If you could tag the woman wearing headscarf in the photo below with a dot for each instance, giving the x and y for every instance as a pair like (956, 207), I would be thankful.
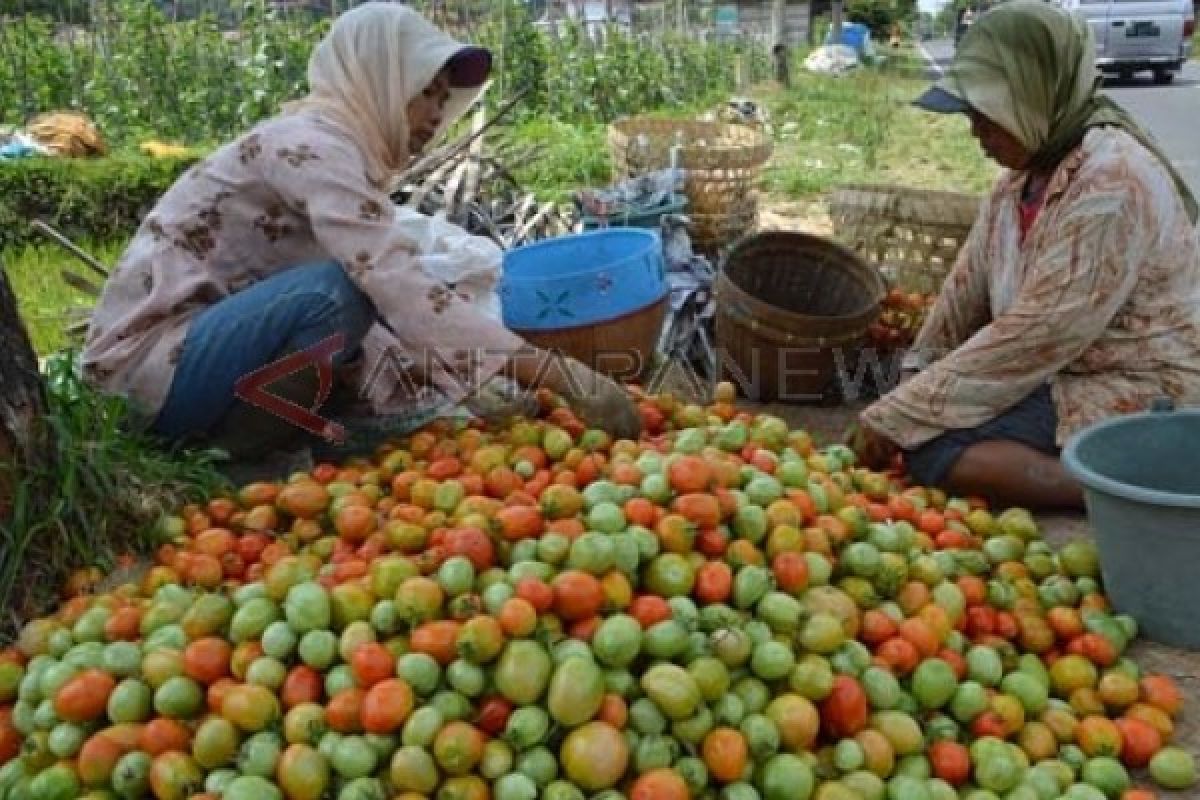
(1077, 294)
(284, 240)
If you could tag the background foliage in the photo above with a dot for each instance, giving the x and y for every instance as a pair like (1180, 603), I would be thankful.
(209, 70)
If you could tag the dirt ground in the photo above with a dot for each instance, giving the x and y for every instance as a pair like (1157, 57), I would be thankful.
(829, 424)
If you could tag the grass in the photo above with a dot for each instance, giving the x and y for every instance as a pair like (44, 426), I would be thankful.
(44, 298)
(95, 496)
(564, 157)
(861, 128)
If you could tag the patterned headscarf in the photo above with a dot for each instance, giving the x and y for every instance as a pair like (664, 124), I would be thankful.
(1029, 67)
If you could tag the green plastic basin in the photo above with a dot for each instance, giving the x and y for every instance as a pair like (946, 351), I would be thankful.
(1141, 479)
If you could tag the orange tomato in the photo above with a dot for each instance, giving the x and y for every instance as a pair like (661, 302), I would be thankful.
(303, 684)
(1139, 741)
(649, 610)
(659, 784)
(437, 639)
(950, 762)
(207, 660)
(725, 754)
(386, 706)
(164, 735)
(701, 509)
(538, 593)
(520, 522)
(714, 582)
(577, 595)
(1162, 693)
(689, 473)
(84, 697)
(344, 711)
(518, 617)
(1099, 736)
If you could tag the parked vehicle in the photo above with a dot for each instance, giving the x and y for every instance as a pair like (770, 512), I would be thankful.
(1140, 35)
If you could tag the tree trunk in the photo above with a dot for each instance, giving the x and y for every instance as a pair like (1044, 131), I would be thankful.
(837, 22)
(22, 395)
(779, 47)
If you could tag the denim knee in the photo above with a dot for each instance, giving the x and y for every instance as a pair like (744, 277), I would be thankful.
(347, 308)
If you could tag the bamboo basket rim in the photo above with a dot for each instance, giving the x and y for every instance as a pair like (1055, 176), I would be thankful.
(744, 319)
(936, 208)
(776, 318)
(912, 235)
(735, 146)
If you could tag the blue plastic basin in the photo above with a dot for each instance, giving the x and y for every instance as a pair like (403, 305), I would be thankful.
(854, 35)
(1141, 479)
(582, 279)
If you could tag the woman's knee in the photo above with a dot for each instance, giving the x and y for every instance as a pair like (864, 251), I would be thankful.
(344, 308)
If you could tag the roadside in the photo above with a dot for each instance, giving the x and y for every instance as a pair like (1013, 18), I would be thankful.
(862, 129)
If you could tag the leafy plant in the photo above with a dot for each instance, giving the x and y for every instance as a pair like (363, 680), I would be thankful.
(209, 72)
(96, 199)
(96, 495)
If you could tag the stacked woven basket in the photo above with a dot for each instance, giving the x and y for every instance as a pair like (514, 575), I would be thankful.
(913, 236)
(723, 162)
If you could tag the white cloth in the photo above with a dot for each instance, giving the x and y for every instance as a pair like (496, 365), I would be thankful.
(448, 253)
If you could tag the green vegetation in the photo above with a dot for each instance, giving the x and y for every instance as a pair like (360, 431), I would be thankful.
(100, 199)
(97, 494)
(45, 300)
(862, 128)
(142, 74)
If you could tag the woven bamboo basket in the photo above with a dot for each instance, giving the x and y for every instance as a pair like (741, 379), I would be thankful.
(912, 235)
(723, 162)
(791, 307)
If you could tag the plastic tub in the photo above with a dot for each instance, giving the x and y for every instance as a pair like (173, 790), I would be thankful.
(600, 297)
(582, 279)
(854, 35)
(1141, 479)
(642, 218)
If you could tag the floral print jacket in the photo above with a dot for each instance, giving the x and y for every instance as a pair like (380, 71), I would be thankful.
(1101, 300)
(290, 192)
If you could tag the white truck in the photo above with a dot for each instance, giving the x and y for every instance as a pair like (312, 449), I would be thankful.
(1140, 35)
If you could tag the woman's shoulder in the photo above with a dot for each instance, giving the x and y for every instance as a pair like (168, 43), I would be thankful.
(298, 139)
(1113, 156)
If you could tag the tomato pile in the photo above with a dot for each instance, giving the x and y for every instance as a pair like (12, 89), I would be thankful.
(720, 610)
(900, 319)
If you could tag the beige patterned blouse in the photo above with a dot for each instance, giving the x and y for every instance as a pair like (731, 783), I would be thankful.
(1101, 300)
(289, 192)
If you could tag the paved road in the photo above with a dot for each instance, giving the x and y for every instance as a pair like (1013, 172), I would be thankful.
(1171, 113)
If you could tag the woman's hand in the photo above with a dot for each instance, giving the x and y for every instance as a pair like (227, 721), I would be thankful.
(874, 450)
(601, 402)
(598, 400)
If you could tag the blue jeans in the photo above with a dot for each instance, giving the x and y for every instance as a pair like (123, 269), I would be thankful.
(287, 312)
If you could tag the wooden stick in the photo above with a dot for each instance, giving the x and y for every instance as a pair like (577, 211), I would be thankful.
(474, 167)
(79, 282)
(65, 243)
(428, 185)
(450, 203)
